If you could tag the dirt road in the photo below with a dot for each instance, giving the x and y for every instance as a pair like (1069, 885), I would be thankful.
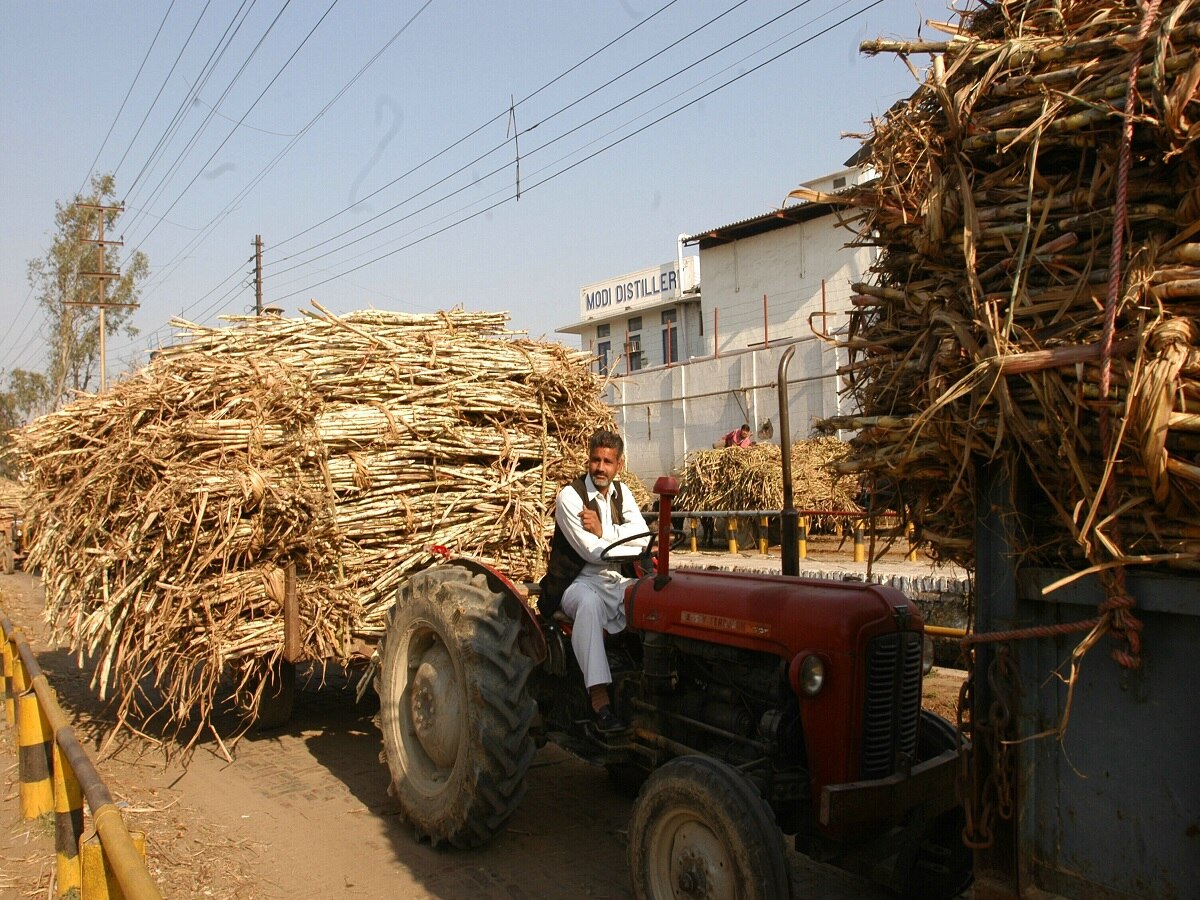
(304, 810)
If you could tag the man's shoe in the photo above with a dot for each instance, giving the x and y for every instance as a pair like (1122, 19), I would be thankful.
(607, 720)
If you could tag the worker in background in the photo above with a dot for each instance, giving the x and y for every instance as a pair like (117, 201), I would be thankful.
(739, 437)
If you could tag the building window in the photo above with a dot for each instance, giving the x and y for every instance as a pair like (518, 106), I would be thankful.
(635, 323)
(839, 182)
(633, 352)
(602, 330)
(670, 336)
(602, 351)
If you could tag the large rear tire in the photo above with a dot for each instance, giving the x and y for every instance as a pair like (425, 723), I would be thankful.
(454, 708)
(701, 829)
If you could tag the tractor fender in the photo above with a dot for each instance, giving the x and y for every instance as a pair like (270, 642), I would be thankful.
(532, 641)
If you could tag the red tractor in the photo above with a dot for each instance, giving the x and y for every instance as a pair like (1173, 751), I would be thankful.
(759, 705)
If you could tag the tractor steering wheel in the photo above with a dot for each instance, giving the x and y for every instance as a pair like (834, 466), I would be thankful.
(677, 538)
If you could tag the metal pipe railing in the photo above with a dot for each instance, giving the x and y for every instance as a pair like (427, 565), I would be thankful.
(57, 773)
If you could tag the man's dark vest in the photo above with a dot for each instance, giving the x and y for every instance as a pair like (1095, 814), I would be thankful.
(565, 562)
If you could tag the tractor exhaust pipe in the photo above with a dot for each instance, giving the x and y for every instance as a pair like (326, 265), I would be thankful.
(666, 487)
(789, 549)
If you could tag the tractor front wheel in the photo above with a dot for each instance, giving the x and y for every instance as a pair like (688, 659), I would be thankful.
(701, 829)
(454, 708)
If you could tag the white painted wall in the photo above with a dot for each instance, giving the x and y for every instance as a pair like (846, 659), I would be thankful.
(787, 266)
(664, 414)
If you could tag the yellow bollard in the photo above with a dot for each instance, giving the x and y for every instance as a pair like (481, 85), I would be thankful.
(10, 710)
(733, 547)
(99, 881)
(34, 740)
(68, 825)
(910, 531)
(692, 524)
(802, 534)
(763, 541)
(860, 546)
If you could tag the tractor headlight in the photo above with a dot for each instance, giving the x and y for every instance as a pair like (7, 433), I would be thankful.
(812, 675)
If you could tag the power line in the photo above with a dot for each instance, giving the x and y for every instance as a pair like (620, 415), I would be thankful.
(480, 128)
(593, 155)
(161, 87)
(207, 230)
(535, 150)
(196, 136)
(121, 109)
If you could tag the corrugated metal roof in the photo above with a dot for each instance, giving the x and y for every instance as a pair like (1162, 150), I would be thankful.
(779, 218)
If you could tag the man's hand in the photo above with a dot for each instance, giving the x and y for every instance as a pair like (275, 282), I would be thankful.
(590, 522)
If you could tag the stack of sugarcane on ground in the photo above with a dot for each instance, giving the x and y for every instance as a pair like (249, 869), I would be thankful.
(12, 500)
(356, 448)
(1036, 296)
(732, 479)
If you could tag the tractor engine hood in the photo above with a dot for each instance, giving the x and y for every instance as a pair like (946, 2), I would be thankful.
(773, 614)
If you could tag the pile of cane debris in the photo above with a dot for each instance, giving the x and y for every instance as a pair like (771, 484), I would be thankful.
(732, 479)
(357, 448)
(1036, 297)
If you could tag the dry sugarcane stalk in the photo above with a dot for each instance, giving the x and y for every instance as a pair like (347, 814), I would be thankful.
(165, 510)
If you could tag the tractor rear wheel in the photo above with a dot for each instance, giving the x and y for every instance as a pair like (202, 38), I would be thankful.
(701, 829)
(454, 708)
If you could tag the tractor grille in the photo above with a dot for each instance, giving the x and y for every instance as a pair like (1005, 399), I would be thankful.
(893, 706)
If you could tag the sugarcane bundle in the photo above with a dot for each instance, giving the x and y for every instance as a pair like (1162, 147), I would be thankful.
(732, 479)
(13, 498)
(356, 448)
(1036, 295)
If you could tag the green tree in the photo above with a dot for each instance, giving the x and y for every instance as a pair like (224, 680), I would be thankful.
(25, 395)
(58, 280)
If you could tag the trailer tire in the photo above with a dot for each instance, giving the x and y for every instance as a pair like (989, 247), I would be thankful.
(701, 829)
(454, 710)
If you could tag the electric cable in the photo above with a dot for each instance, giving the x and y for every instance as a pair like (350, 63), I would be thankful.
(530, 153)
(593, 155)
(232, 131)
(190, 96)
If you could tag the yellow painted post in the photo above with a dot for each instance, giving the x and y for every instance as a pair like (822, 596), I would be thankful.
(692, 524)
(733, 547)
(10, 710)
(763, 541)
(802, 534)
(34, 739)
(910, 531)
(99, 881)
(68, 825)
(860, 546)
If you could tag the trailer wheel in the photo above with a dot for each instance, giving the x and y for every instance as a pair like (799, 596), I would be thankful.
(278, 697)
(701, 829)
(944, 865)
(454, 708)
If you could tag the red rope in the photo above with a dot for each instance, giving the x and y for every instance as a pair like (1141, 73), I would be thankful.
(1118, 604)
(1033, 631)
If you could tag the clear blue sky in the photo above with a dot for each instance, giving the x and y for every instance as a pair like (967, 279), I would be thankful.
(65, 68)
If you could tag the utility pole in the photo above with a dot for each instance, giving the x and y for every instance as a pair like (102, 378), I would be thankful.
(258, 274)
(103, 276)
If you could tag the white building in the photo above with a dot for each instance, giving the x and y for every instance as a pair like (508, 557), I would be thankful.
(691, 359)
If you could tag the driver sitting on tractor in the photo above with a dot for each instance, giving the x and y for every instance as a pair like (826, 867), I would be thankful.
(591, 513)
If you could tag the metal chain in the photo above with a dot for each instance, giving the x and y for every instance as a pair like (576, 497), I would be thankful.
(992, 796)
